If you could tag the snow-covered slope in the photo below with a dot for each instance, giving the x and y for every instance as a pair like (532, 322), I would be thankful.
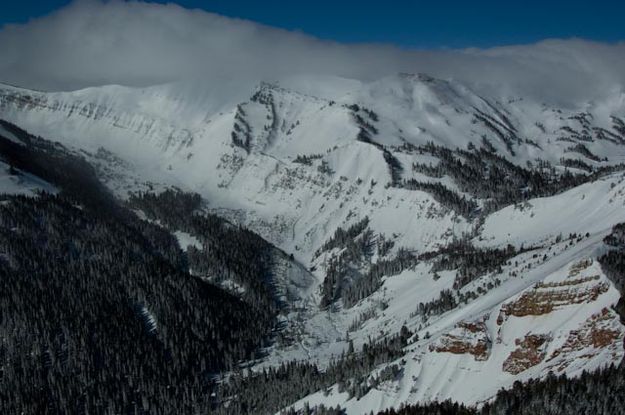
(547, 309)
(295, 161)
(18, 182)
(187, 137)
(14, 181)
(591, 207)
(559, 319)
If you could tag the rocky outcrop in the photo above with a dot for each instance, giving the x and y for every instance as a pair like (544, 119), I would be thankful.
(602, 331)
(546, 297)
(530, 351)
(466, 338)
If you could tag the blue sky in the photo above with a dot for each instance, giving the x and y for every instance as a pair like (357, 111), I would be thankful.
(410, 24)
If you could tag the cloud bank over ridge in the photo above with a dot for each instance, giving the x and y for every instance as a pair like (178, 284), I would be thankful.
(93, 43)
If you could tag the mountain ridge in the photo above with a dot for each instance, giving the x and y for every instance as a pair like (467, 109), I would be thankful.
(414, 202)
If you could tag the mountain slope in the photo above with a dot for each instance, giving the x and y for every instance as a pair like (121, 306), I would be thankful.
(413, 201)
(100, 310)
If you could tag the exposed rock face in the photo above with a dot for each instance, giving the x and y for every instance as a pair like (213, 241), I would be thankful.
(467, 337)
(547, 297)
(580, 266)
(601, 331)
(600, 334)
(531, 351)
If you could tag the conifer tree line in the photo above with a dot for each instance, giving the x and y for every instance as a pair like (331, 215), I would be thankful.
(472, 262)
(600, 392)
(344, 280)
(342, 238)
(584, 151)
(486, 175)
(99, 313)
(228, 251)
(242, 134)
(576, 164)
(241, 131)
(365, 119)
(53, 163)
(320, 409)
(338, 275)
(307, 159)
(355, 244)
(268, 391)
(344, 277)
(502, 127)
(434, 408)
(96, 318)
(613, 263)
(446, 197)
(446, 301)
(371, 281)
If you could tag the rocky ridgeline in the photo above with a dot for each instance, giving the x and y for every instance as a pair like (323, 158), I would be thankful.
(546, 297)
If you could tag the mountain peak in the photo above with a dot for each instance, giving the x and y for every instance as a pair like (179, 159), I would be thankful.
(410, 206)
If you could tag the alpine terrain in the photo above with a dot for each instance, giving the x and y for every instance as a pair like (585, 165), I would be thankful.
(315, 245)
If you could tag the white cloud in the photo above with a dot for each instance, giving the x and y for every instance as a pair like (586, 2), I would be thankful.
(92, 42)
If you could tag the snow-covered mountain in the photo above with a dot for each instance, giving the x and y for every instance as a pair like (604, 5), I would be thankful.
(388, 191)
